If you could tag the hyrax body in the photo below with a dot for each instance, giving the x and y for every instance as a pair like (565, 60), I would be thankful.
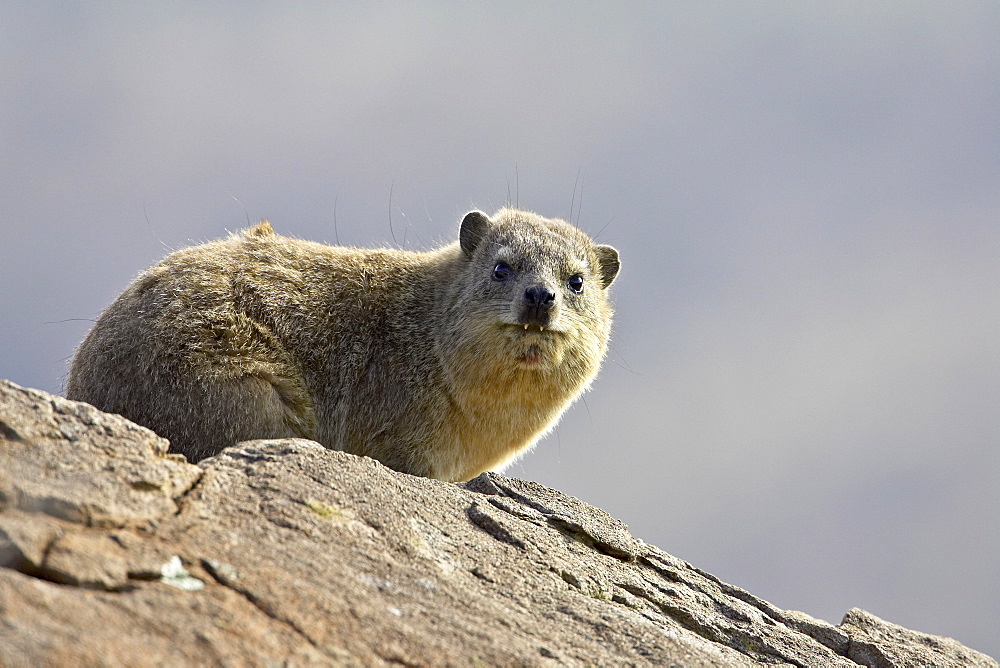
(443, 364)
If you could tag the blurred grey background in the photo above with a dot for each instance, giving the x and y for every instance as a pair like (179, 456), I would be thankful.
(804, 392)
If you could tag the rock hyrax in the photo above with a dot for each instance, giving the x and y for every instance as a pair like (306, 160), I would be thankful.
(444, 363)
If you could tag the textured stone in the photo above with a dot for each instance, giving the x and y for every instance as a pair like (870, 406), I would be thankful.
(282, 552)
(875, 642)
(70, 461)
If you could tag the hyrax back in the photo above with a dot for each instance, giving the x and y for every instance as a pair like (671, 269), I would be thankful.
(444, 363)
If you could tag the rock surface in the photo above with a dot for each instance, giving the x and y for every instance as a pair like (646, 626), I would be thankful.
(281, 552)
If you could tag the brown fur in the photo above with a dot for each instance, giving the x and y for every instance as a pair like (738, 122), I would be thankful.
(427, 361)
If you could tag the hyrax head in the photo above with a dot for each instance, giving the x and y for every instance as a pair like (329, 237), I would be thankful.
(540, 281)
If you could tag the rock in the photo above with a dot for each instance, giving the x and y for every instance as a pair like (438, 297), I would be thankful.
(114, 551)
(875, 642)
(70, 461)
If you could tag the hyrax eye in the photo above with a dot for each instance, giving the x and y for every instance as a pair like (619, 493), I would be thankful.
(502, 272)
(575, 283)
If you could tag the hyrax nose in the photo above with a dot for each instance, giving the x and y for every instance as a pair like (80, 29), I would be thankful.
(538, 300)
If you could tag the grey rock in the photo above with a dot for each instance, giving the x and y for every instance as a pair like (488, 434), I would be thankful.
(282, 552)
(70, 461)
(875, 642)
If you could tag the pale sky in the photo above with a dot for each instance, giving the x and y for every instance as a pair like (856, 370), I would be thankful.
(804, 393)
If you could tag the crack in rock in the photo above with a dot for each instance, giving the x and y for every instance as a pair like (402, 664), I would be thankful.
(227, 576)
(492, 524)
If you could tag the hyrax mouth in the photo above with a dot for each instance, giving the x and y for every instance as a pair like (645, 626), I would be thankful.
(534, 346)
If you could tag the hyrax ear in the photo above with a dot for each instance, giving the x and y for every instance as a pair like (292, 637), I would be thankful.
(608, 263)
(474, 227)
